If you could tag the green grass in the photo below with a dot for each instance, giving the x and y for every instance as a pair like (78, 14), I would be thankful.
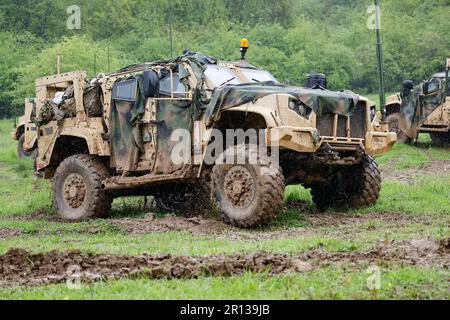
(375, 97)
(425, 201)
(326, 283)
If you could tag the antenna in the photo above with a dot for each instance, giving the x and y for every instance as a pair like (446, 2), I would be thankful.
(380, 60)
(95, 64)
(170, 35)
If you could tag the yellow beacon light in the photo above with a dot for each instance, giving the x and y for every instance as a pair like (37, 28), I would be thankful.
(244, 43)
(244, 48)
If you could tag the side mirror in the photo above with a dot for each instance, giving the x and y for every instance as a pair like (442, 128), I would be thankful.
(151, 83)
(408, 85)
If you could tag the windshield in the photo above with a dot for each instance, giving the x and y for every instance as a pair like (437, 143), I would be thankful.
(220, 76)
(258, 75)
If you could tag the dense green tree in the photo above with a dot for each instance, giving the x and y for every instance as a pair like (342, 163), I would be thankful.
(290, 38)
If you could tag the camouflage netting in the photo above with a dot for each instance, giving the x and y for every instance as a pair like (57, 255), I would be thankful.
(320, 101)
(126, 140)
(67, 109)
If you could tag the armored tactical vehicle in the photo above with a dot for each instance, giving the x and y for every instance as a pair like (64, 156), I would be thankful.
(424, 108)
(193, 128)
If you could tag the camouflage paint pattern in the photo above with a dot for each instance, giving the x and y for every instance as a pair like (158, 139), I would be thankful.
(171, 115)
(125, 141)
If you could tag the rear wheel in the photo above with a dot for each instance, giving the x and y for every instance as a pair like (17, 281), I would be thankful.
(247, 195)
(77, 188)
(350, 189)
(394, 126)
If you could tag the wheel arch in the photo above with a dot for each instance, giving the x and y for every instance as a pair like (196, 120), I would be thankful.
(66, 145)
(20, 130)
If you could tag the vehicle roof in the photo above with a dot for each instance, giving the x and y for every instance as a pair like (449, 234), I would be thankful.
(439, 75)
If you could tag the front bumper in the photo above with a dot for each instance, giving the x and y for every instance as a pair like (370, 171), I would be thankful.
(308, 140)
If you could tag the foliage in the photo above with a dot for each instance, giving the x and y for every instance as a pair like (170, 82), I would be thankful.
(290, 38)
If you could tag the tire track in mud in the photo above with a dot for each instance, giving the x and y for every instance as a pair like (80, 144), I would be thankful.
(213, 226)
(19, 267)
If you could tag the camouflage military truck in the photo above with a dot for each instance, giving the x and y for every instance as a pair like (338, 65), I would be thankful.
(424, 108)
(26, 148)
(123, 134)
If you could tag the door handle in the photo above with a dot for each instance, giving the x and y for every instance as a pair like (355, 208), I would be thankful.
(157, 122)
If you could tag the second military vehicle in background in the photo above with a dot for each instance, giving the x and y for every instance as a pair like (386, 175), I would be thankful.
(424, 108)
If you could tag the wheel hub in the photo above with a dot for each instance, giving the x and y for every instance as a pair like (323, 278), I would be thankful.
(239, 187)
(74, 190)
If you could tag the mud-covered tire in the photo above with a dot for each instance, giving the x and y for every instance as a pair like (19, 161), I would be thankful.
(21, 152)
(350, 189)
(243, 196)
(77, 188)
(440, 137)
(393, 122)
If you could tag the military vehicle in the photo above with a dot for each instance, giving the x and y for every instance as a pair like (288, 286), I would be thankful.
(114, 136)
(424, 108)
(26, 148)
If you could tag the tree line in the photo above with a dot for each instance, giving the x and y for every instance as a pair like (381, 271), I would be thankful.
(290, 38)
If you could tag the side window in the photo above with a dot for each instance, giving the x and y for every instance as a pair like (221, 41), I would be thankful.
(434, 85)
(125, 90)
(179, 89)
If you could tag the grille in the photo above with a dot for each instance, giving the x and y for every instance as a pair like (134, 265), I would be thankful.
(358, 125)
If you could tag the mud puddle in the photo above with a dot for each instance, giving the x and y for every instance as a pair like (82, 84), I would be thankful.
(19, 267)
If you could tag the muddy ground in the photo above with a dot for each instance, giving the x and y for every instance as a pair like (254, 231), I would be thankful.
(19, 267)
(9, 232)
(432, 167)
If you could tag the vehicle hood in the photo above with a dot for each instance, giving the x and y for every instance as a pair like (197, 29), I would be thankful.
(321, 101)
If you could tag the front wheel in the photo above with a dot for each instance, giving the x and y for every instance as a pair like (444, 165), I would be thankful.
(394, 126)
(352, 188)
(77, 188)
(247, 195)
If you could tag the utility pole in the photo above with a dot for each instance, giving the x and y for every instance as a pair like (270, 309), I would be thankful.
(170, 35)
(380, 60)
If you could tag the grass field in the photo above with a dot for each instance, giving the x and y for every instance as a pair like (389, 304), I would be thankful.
(414, 206)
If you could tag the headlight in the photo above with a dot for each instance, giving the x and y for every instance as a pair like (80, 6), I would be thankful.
(300, 108)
